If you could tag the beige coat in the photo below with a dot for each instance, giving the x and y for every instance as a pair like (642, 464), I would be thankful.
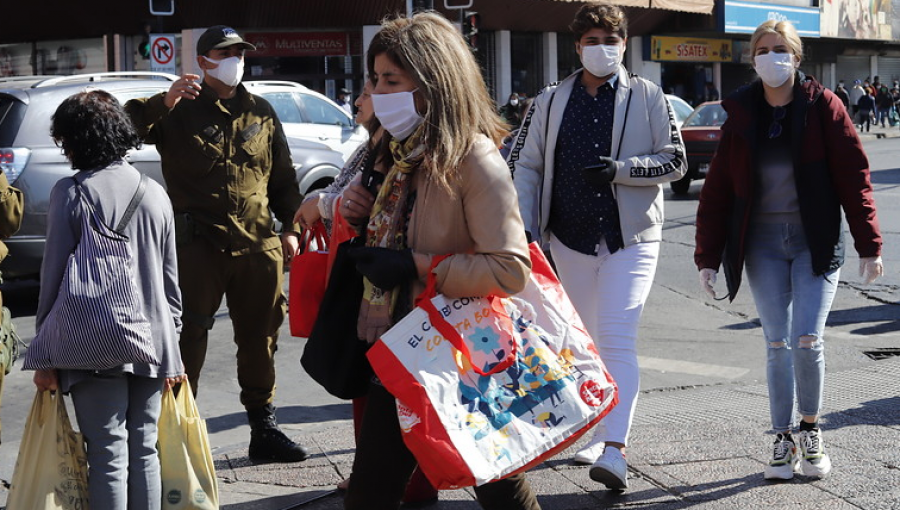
(480, 224)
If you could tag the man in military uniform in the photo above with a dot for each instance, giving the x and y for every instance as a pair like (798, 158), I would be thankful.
(10, 220)
(226, 163)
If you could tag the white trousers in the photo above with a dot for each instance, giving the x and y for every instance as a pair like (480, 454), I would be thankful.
(609, 292)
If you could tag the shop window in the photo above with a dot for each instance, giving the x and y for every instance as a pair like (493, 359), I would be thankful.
(567, 61)
(527, 62)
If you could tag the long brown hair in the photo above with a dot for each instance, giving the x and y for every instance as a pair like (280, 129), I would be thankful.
(458, 107)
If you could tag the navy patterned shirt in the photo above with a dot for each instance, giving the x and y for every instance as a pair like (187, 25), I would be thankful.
(580, 215)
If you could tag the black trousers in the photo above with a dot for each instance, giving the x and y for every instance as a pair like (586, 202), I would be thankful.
(383, 466)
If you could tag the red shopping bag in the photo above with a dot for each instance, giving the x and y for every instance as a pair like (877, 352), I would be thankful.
(309, 273)
(489, 387)
(341, 230)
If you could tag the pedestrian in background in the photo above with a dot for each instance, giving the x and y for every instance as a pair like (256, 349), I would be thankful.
(594, 156)
(856, 92)
(711, 93)
(511, 112)
(841, 93)
(883, 104)
(866, 109)
(116, 409)
(343, 100)
(442, 169)
(226, 163)
(319, 205)
(774, 200)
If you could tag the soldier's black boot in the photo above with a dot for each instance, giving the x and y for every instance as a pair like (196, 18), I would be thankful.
(267, 441)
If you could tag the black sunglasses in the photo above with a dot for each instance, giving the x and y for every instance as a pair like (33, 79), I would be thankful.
(777, 117)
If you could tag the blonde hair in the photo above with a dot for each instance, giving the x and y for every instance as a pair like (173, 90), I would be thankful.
(783, 28)
(458, 107)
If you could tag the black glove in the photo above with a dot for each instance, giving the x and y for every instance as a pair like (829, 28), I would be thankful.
(600, 174)
(384, 267)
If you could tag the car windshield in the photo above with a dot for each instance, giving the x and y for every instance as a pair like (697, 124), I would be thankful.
(707, 115)
(285, 106)
(682, 109)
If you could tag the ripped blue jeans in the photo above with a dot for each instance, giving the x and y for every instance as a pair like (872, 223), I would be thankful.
(793, 305)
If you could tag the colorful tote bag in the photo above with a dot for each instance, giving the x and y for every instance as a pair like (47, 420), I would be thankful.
(489, 387)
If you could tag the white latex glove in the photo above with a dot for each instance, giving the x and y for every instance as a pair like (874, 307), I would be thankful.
(870, 268)
(708, 280)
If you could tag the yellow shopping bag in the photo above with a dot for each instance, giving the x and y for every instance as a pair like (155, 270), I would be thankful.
(186, 465)
(51, 469)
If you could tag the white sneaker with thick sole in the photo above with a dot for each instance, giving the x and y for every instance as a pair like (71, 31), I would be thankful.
(784, 459)
(590, 453)
(814, 462)
(611, 469)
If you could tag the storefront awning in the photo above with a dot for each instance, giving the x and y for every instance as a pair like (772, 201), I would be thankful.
(696, 6)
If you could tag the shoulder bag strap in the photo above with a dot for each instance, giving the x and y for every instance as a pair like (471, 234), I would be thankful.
(624, 121)
(133, 205)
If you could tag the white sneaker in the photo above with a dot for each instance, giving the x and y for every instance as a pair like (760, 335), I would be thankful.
(611, 469)
(815, 462)
(784, 459)
(590, 453)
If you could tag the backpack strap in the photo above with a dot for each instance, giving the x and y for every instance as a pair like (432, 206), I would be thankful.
(133, 205)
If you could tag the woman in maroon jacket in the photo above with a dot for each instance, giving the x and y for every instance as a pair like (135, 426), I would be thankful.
(788, 163)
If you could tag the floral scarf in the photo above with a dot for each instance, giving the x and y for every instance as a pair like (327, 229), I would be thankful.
(387, 229)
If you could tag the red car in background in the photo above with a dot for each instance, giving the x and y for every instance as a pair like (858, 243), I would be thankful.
(701, 133)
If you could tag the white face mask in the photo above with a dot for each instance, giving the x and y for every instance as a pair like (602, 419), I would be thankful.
(601, 59)
(229, 72)
(514, 102)
(774, 68)
(397, 113)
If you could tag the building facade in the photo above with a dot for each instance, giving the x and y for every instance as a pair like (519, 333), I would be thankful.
(521, 44)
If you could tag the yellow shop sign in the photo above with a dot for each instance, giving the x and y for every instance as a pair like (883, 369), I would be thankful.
(690, 49)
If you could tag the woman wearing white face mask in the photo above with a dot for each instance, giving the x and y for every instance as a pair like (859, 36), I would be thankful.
(446, 191)
(775, 210)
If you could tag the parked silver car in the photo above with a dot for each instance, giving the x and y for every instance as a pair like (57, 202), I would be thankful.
(306, 114)
(33, 163)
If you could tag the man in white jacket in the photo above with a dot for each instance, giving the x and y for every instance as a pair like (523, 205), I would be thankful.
(589, 163)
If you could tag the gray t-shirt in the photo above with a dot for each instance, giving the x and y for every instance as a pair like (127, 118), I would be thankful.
(776, 197)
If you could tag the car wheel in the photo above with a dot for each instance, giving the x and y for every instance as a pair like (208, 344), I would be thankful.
(320, 184)
(681, 186)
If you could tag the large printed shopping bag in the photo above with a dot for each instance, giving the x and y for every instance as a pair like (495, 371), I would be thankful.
(185, 459)
(489, 387)
(51, 469)
(309, 272)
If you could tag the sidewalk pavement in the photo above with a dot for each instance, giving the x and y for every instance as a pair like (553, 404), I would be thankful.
(700, 447)
(876, 131)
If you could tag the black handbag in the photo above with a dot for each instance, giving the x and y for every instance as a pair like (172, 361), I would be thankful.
(334, 355)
